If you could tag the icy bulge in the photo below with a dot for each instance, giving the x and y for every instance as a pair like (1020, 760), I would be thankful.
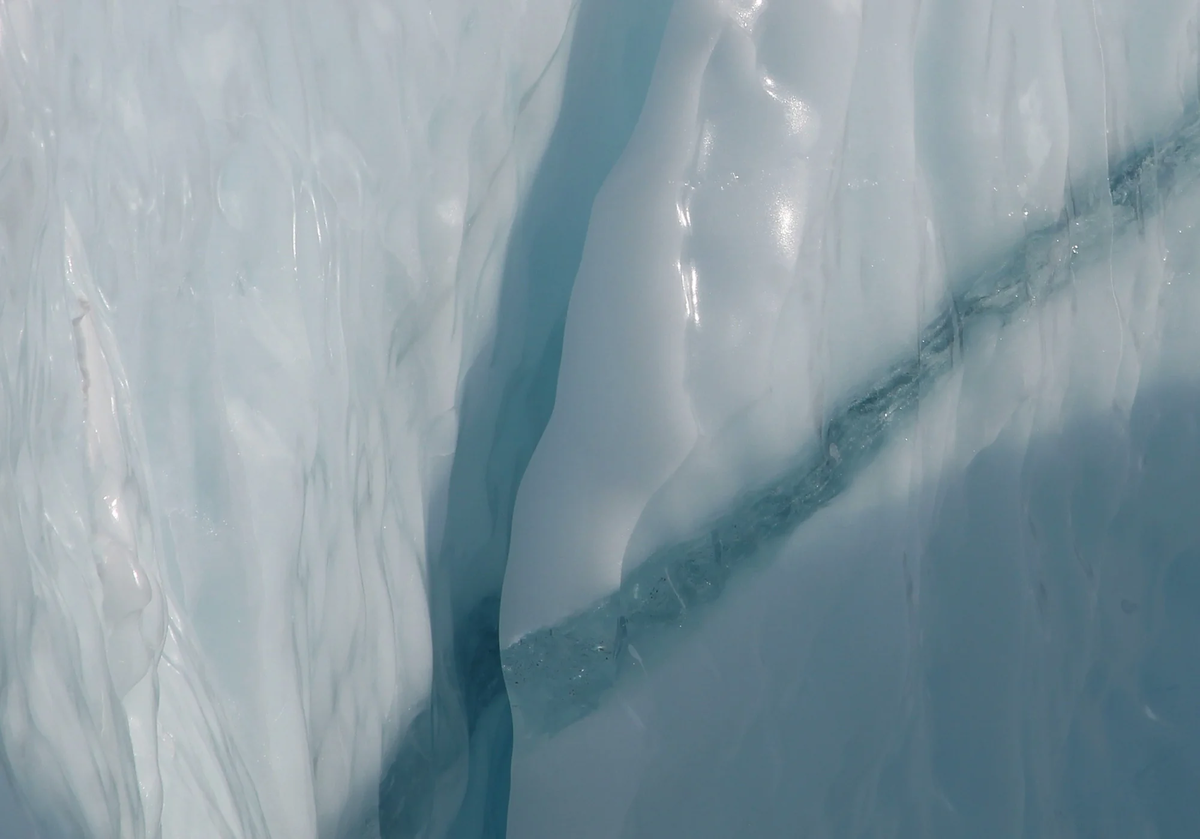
(597, 418)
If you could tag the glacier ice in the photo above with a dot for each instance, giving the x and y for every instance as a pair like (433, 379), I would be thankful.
(842, 352)
(250, 251)
(872, 531)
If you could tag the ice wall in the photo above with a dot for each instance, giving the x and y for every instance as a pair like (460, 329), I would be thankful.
(249, 252)
(863, 509)
(865, 506)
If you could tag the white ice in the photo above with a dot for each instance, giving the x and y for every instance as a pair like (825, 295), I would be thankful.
(802, 193)
(935, 653)
(249, 251)
(252, 252)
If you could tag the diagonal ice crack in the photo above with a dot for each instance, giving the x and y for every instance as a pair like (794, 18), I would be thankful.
(560, 674)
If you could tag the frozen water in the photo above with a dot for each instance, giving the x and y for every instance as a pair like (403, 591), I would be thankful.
(585, 651)
(864, 354)
(853, 516)
(507, 399)
(250, 251)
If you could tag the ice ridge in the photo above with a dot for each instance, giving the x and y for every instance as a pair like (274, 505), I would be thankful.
(558, 675)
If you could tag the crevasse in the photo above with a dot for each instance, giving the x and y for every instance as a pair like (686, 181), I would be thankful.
(599, 418)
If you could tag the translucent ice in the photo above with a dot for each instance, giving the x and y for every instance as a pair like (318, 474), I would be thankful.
(853, 516)
(249, 252)
(861, 333)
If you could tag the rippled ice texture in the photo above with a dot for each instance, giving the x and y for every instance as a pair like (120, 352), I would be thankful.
(248, 251)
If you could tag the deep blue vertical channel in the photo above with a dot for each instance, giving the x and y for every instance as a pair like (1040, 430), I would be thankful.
(463, 740)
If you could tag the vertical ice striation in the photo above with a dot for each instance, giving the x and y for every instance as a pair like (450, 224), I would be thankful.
(249, 252)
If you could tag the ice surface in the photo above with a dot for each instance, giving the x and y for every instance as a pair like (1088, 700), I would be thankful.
(250, 251)
(505, 404)
(864, 354)
(873, 532)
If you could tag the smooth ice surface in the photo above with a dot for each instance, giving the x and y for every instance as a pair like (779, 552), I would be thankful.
(874, 530)
(249, 252)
